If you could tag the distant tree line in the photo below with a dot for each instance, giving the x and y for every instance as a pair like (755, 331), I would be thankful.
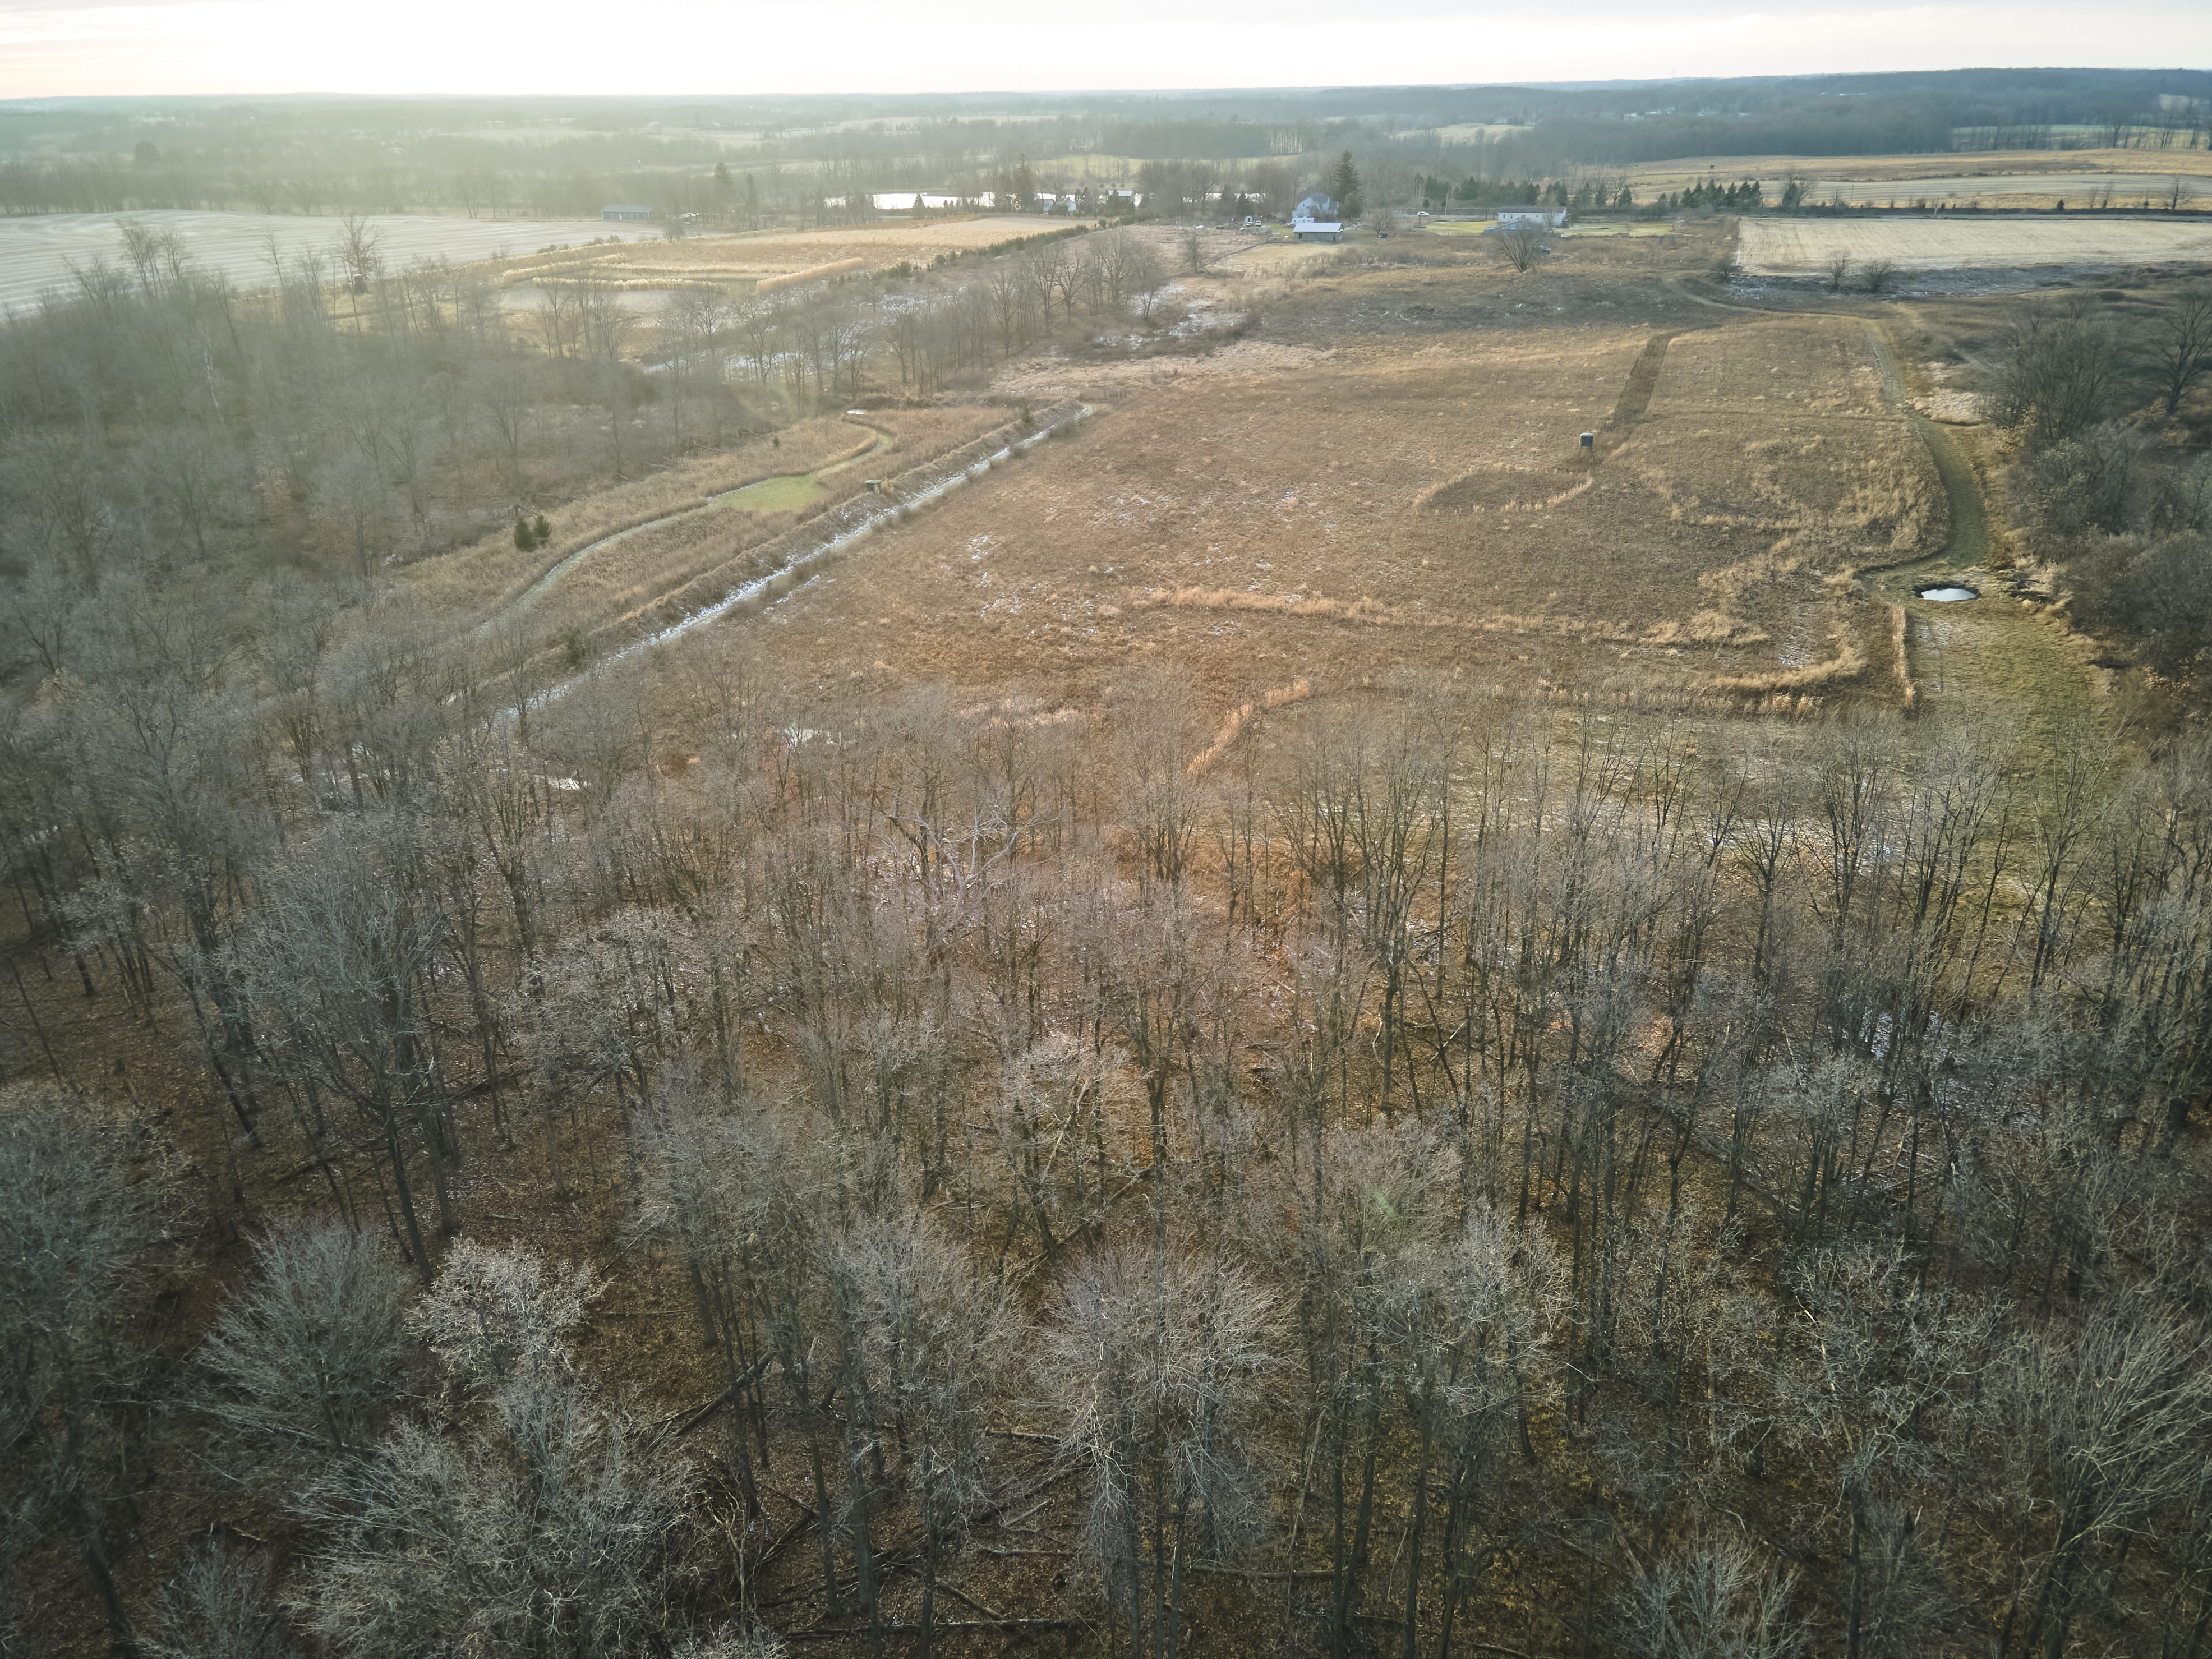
(810, 165)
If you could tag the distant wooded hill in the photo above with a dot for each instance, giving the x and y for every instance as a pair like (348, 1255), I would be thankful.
(791, 158)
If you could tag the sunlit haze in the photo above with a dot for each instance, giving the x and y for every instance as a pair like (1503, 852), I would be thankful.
(672, 47)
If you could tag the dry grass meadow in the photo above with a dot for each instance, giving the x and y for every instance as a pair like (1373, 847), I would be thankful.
(1805, 247)
(2025, 178)
(1324, 517)
(768, 255)
(1373, 476)
(619, 550)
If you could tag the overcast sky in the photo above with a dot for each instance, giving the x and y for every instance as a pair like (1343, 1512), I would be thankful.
(685, 46)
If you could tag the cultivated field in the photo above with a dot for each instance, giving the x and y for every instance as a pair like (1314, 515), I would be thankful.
(1805, 247)
(2044, 190)
(36, 254)
(782, 252)
(2030, 173)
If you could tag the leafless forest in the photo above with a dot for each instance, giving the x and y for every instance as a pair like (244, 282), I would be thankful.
(513, 1151)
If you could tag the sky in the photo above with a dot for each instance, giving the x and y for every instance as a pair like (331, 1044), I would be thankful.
(52, 48)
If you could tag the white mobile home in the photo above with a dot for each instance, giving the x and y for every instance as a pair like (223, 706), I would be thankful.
(1548, 218)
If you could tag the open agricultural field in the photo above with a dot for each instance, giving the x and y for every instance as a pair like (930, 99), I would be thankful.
(783, 252)
(1805, 248)
(1326, 516)
(2039, 191)
(37, 253)
(2032, 174)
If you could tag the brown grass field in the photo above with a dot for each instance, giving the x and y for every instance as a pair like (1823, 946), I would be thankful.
(1377, 480)
(646, 538)
(1804, 247)
(2019, 172)
(775, 253)
(1415, 509)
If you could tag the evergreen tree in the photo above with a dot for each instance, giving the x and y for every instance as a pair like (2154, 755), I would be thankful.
(1344, 184)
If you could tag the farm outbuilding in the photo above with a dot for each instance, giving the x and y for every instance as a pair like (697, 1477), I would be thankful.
(626, 210)
(1551, 218)
(1317, 230)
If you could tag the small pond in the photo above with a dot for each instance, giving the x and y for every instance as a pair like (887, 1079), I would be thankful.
(1948, 593)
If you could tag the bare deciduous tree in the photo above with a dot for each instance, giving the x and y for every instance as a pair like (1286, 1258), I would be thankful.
(219, 1606)
(1715, 1598)
(2180, 351)
(552, 1528)
(1153, 1359)
(79, 1206)
(1516, 247)
(496, 1316)
(302, 1362)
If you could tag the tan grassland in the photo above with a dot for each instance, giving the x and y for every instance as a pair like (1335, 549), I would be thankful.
(2006, 171)
(1321, 517)
(668, 530)
(2020, 191)
(1804, 247)
(783, 252)
(472, 579)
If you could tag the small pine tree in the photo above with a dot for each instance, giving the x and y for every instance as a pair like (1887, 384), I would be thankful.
(541, 530)
(524, 541)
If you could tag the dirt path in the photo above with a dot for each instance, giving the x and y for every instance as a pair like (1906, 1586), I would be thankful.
(837, 545)
(1995, 659)
(546, 583)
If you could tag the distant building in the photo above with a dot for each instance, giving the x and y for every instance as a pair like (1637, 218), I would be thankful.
(1549, 217)
(626, 210)
(1317, 230)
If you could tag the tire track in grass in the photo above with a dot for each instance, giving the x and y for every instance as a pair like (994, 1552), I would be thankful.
(545, 584)
(868, 524)
(1988, 658)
